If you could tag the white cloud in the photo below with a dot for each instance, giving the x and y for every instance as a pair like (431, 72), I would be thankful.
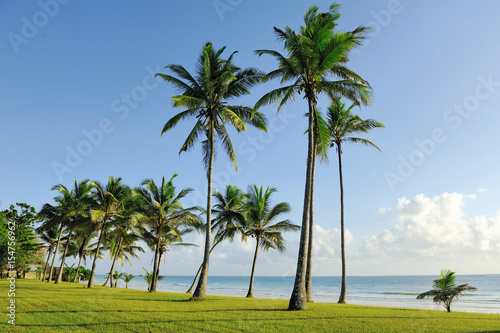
(435, 230)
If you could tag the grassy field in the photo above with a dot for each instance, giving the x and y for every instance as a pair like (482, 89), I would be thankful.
(42, 307)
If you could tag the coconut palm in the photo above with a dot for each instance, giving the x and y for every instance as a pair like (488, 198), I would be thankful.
(315, 54)
(170, 240)
(75, 204)
(49, 238)
(342, 124)
(127, 278)
(259, 223)
(83, 250)
(108, 205)
(123, 238)
(229, 208)
(160, 212)
(446, 291)
(204, 96)
(52, 217)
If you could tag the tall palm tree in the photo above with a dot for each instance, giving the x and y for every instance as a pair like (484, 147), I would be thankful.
(259, 219)
(108, 205)
(204, 96)
(446, 291)
(315, 54)
(229, 208)
(75, 204)
(342, 124)
(49, 238)
(52, 217)
(161, 213)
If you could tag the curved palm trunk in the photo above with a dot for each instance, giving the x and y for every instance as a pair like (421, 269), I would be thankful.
(190, 290)
(298, 300)
(46, 264)
(311, 230)
(77, 269)
(342, 241)
(154, 276)
(250, 288)
(92, 271)
(201, 288)
(59, 275)
(113, 264)
(55, 254)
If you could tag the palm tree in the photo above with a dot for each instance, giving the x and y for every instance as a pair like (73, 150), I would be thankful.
(205, 97)
(446, 291)
(108, 206)
(49, 237)
(84, 236)
(160, 212)
(52, 217)
(123, 240)
(170, 240)
(314, 55)
(117, 276)
(229, 208)
(258, 223)
(341, 126)
(149, 277)
(75, 205)
(127, 278)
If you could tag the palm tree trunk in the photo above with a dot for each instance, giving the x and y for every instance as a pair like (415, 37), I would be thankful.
(190, 290)
(311, 230)
(250, 288)
(46, 264)
(342, 239)
(298, 300)
(92, 271)
(55, 254)
(59, 275)
(77, 268)
(113, 265)
(152, 287)
(201, 288)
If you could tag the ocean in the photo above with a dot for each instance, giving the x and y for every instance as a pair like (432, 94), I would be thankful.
(387, 291)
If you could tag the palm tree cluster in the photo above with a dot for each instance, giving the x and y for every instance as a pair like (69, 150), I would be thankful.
(315, 64)
(92, 218)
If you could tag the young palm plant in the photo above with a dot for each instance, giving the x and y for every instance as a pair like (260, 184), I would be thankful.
(127, 278)
(205, 97)
(160, 212)
(259, 223)
(149, 277)
(229, 210)
(342, 124)
(315, 55)
(446, 291)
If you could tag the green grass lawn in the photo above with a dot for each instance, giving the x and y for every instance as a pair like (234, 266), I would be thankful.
(42, 307)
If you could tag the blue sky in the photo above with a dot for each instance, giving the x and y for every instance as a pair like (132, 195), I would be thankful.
(78, 100)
